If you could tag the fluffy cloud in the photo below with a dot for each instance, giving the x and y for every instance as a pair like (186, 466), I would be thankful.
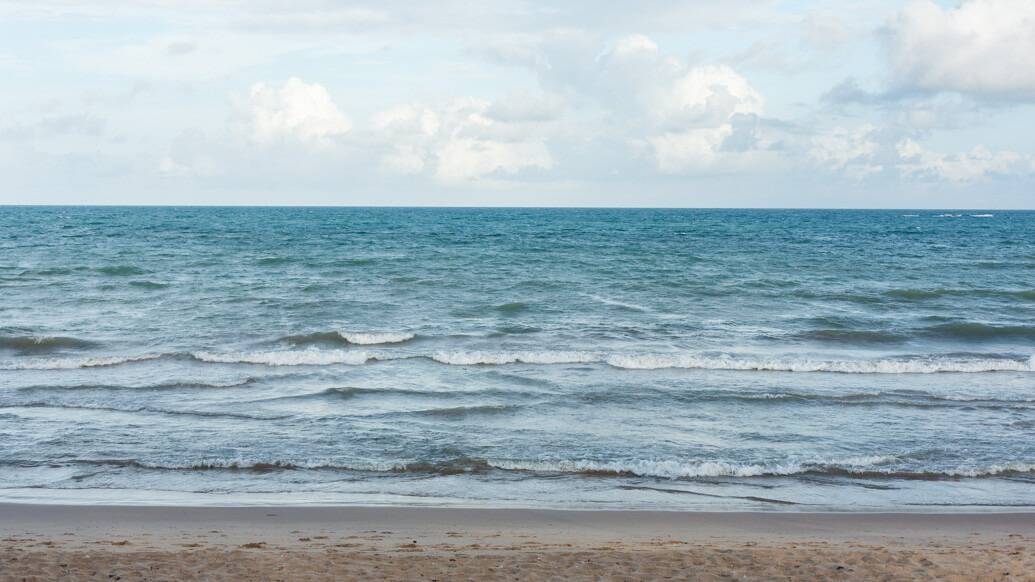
(298, 111)
(865, 150)
(461, 143)
(466, 158)
(709, 94)
(677, 114)
(981, 47)
(695, 112)
(963, 167)
(694, 149)
(851, 151)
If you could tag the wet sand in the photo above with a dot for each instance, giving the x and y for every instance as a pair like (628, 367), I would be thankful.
(48, 542)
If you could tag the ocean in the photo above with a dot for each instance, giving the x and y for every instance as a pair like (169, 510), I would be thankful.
(564, 358)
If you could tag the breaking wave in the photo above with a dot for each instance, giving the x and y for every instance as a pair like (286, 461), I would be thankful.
(925, 365)
(864, 467)
(313, 356)
(34, 344)
(308, 357)
(140, 409)
(876, 466)
(980, 331)
(73, 363)
(461, 358)
(375, 338)
(363, 338)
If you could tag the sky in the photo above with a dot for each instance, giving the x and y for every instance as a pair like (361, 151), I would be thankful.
(741, 103)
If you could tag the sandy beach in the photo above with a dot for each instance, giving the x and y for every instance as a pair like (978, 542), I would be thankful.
(45, 542)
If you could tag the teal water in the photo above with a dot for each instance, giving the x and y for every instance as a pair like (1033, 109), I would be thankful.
(718, 359)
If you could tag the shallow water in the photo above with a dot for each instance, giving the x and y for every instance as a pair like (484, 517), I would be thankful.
(722, 359)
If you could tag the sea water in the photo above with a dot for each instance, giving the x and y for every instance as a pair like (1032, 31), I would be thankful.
(571, 358)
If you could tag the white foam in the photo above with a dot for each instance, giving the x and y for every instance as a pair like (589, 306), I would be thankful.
(73, 363)
(671, 469)
(993, 470)
(982, 215)
(617, 303)
(644, 361)
(884, 366)
(460, 358)
(367, 338)
(308, 357)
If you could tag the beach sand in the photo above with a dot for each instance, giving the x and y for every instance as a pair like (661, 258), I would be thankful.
(46, 542)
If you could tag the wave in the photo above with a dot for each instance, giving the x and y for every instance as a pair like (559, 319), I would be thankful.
(851, 336)
(863, 467)
(73, 363)
(364, 338)
(274, 261)
(980, 331)
(141, 409)
(265, 465)
(35, 344)
(121, 270)
(307, 357)
(630, 361)
(617, 303)
(893, 398)
(375, 338)
(671, 469)
(177, 385)
(917, 293)
(460, 358)
(926, 365)
(908, 365)
(512, 308)
(876, 466)
(148, 284)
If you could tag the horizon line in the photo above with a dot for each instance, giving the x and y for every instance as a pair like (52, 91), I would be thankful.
(504, 207)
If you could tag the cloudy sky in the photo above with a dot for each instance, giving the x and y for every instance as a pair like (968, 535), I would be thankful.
(517, 102)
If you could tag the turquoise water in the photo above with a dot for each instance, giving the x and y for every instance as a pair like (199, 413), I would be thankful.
(719, 359)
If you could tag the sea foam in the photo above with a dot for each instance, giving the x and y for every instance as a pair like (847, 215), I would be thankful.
(73, 363)
(366, 338)
(308, 357)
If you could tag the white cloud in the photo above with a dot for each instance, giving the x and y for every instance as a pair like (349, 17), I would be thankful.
(463, 159)
(694, 113)
(963, 167)
(405, 159)
(695, 149)
(406, 119)
(458, 144)
(296, 111)
(709, 93)
(524, 106)
(981, 47)
(848, 150)
(167, 166)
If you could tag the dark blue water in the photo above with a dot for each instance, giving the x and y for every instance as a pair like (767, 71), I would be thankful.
(726, 359)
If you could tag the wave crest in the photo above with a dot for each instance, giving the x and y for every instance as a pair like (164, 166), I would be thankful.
(671, 469)
(863, 467)
(35, 344)
(363, 338)
(459, 358)
(368, 338)
(308, 357)
(884, 366)
(73, 363)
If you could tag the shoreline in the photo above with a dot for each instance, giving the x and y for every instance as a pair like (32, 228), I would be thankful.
(277, 542)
